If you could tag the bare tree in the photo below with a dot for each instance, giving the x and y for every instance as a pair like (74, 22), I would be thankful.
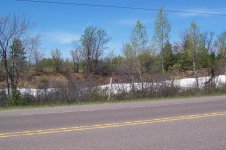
(33, 54)
(93, 42)
(37, 56)
(102, 39)
(76, 56)
(11, 27)
(57, 60)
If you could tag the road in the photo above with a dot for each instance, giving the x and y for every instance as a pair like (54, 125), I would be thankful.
(181, 124)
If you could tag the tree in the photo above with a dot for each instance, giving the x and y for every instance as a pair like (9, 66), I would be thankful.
(192, 45)
(93, 42)
(33, 54)
(139, 40)
(76, 57)
(102, 39)
(167, 55)
(183, 48)
(161, 34)
(221, 44)
(37, 56)
(130, 62)
(12, 27)
(109, 59)
(208, 53)
(205, 49)
(117, 62)
(17, 63)
(193, 51)
(57, 60)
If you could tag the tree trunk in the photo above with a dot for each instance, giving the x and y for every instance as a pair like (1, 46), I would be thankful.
(162, 66)
(163, 72)
(74, 68)
(195, 73)
(7, 77)
(77, 68)
(132, 83)
(88, 64)
(162, 46)
(96, 62)
(225, 65)
(225, 74)
(110, 89)
(141, 78)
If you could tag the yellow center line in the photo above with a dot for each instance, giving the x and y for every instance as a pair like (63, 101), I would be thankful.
(110, 125)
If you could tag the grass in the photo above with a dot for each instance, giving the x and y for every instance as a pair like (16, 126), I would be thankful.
(111, 101)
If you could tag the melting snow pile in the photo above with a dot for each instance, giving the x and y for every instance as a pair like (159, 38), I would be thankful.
(126, 87)
(182, 83)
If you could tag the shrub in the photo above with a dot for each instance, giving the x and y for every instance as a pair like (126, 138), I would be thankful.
(3, 98)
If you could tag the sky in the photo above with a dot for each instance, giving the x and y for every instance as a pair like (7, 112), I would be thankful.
(59, 25)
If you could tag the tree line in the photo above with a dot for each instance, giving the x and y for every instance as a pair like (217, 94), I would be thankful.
(140, 56)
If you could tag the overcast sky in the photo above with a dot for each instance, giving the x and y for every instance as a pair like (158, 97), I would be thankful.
(59, 25)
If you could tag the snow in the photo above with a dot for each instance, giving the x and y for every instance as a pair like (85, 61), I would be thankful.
(185, 83)
(127, 87)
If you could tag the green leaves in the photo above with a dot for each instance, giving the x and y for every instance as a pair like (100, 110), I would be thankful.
(162, 29)
(139, 38)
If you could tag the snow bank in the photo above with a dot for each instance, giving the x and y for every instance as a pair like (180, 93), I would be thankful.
(126, 87)
(185, 83)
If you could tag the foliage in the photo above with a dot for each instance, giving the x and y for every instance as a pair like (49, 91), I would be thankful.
(3, 98)
(161, 33)
(139, 38)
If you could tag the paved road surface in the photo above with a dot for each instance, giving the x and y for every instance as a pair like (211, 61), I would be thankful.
(189, 124)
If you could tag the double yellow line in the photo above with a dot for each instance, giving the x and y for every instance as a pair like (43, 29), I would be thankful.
(111, 125)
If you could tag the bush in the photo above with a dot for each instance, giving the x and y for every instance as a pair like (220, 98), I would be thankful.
(3, 98)
(84, 90)
(18, 99)
(15, 98)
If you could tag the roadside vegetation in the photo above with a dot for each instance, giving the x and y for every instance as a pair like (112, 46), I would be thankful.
(150, 61)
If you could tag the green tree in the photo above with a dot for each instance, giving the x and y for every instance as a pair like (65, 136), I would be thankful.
(161, 33)
(184, 54)
(130, 62)
(117, 62)
(221, 44)
(193, 45)
(17, 66)
(139, 40)
(168, 57)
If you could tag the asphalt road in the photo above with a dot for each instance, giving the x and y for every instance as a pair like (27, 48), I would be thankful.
(188, 124)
